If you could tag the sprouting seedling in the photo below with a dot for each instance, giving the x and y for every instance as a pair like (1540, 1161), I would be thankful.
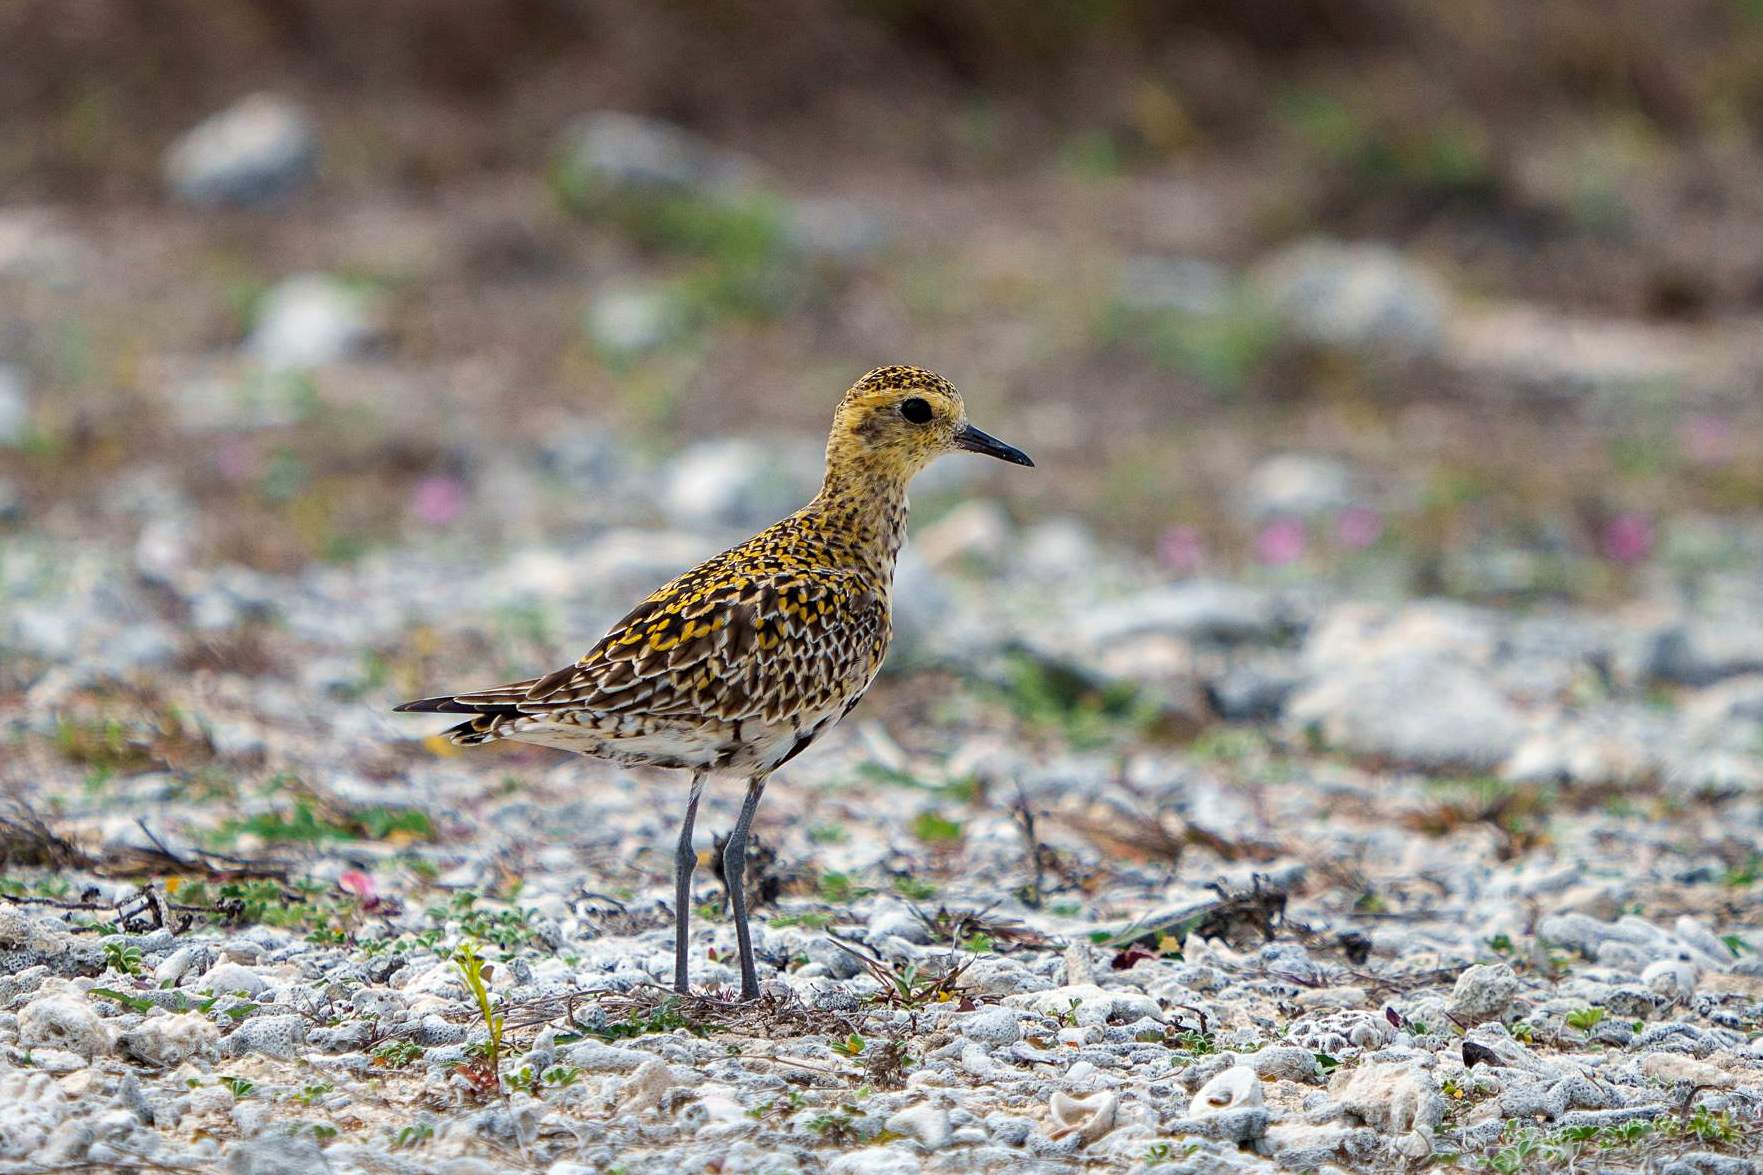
(477, 973)
(1585, 1019)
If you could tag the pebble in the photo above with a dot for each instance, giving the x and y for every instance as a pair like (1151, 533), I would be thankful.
(1483, 992)
(926, 1122)
(1354, 295)
(272, 1036)
(63, 1022)
(310, 320)
(260, 149)
(167, 1041)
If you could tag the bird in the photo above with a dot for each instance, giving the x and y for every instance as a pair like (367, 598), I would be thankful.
(736, 666)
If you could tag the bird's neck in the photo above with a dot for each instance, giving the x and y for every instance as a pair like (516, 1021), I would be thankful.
(868, 511)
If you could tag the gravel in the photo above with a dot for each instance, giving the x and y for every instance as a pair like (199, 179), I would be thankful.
(1343, 928)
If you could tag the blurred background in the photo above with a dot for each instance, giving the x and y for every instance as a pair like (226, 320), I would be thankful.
(1431, 297)
(1395, 545)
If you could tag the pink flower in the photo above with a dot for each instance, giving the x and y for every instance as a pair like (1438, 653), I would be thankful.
(1358, 528)
(438, 500)
(1627, 538)
(1706, 439)
(1182, 549)
(361, 885)
(1280, 542)
(239, 460)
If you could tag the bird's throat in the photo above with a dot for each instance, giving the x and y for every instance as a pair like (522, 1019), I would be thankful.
(868, 512)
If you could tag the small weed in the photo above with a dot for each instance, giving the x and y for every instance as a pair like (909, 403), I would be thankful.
(122, 958)
(1704, 1126)
(239, 1086)
(662, 1018)
(913, 888)
(1585, 1019)
(838, 889)
(851, 1046)
(807, 919)
(412, 1135)
(476, 972)
(311, 1094)
(132, 1003)
(933, 828)
(398, 1054)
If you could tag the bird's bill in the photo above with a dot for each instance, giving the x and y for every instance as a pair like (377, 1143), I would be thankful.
(975, 441)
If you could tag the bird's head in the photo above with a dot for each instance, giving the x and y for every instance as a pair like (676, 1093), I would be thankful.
(896, 420)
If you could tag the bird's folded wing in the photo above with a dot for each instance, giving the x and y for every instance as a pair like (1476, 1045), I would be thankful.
(750, 647)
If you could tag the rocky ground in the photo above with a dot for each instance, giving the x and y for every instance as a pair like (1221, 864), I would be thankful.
(1137, 857)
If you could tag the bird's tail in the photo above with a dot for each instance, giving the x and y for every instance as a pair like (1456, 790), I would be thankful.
(489, 721)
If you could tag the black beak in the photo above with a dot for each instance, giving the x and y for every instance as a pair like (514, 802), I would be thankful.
(975, 441)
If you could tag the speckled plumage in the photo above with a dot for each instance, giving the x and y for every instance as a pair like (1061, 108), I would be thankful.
(740, 663)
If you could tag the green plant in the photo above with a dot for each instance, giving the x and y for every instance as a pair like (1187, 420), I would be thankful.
(122, 957)
(397, 1054)
(913, 888)
(313, 1093)
(838, 888)
(239, 1086)
(476, 972)
(410, 1136)
(933, 828)
(663, 1017)
(562, 1076)
(851, 1046)
(1585, 1019)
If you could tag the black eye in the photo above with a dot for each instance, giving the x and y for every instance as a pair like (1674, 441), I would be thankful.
(916, 410)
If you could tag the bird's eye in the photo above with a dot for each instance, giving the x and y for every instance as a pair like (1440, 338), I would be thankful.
(916, 410)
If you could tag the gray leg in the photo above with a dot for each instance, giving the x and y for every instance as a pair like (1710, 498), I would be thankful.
(684, 861)
(734, 864)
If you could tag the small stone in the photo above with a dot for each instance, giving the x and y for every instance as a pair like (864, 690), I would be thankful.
(231, 978)
(273, 1036)
(627, 322)
(1679, 1070)
(926, 1122)
(1284, 1064)
(168, 1041)
(1297, 485)
(1353, 295)
(646, 1088)
(997, 1027)
(1235, 1088)
(1671, 978)
(32, 1105)
(1393, 1097)
(310, 320)
(63, 1022)
(1088, 1118)
(1195, 610)
(1089, 1004)
(895, 922)
(1483, 992)
(895, 1159)
(593, 1057)
(277, 1154)
(255, 151)
(1414, 708)
(613, 153)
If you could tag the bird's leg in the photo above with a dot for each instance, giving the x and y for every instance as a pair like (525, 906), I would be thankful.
(734, 864)
(684, 861)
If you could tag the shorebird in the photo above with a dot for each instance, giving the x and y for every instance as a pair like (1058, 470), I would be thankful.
(739, 664)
